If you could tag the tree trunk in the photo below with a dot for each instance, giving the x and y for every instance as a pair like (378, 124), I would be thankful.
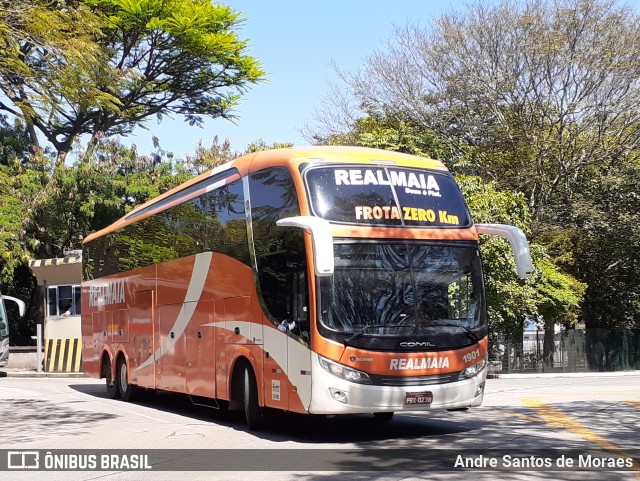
(33, 136)
(62, 155)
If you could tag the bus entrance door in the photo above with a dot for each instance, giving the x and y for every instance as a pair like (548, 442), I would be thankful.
(171, 346)
(276, 386)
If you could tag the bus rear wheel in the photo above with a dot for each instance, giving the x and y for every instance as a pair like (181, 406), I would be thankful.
(128, 392)
(252, 410)
(112, 386)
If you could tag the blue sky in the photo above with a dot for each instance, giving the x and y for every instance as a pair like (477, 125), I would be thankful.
(296, 41)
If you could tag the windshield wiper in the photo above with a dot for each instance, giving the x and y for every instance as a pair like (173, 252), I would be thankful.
(360, 332)
(467, 331)
(406, 321)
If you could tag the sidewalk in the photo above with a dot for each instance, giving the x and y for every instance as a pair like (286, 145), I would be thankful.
(563, 374)
(31, 373)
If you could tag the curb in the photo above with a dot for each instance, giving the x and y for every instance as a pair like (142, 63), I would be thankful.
(28, 373)
(562, 374)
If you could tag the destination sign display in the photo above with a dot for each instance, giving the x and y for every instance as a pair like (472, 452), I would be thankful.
(386, 196)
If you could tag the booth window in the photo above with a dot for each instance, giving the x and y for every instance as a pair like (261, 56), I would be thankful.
(59, 297)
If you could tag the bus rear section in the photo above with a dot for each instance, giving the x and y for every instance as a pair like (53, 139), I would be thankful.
(312, 280)
(4, 326)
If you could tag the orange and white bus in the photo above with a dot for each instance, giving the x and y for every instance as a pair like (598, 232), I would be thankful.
(322, 280)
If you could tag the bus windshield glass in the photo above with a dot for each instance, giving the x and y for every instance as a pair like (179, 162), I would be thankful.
(383, 293)
(386, 196)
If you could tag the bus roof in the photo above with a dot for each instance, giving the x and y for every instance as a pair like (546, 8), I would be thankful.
(267, 158)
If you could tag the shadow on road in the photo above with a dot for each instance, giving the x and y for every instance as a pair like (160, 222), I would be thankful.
(302, 428)
(490, 427)
(41, 417)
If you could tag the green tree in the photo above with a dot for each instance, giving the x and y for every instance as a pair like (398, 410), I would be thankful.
(22, 180)
(387, 133)
(96, 67)
(258, 145)
(509, 299)
(206, 158)
(14, 142)
(558, 298)
(106, 182)
(607, 215)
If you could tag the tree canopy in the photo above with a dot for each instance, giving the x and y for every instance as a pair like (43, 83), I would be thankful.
(75, 67)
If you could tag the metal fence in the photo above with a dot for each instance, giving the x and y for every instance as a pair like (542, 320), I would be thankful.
(579, 350)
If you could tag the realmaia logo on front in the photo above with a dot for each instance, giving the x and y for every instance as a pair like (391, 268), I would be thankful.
(419, 363)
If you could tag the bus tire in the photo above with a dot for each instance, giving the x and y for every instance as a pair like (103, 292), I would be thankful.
(383, 417)
(112, 385)
(128, 392)
(252, 410)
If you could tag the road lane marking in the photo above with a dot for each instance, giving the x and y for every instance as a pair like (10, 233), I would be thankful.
(585, 393)
(633, 402)
(557, 419)
(518, 415)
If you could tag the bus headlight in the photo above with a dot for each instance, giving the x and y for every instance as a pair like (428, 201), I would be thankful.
(473, 370)
(344, 372)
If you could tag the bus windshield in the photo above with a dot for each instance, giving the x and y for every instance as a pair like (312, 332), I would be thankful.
(385, 196)
(384, 293)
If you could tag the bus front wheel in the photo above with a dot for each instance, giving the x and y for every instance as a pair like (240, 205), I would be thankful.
(252, 410)
(128, 392)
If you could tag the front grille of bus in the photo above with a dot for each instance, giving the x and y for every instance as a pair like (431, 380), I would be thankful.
(378, 380)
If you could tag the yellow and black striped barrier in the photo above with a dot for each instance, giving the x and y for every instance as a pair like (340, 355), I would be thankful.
(63, 355)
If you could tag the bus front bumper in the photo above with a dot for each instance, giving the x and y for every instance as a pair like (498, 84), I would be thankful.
(333, 395)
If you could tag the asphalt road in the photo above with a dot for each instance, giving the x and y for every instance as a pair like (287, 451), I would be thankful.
(533, 420)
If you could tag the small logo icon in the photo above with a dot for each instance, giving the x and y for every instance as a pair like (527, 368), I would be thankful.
(23, 460)
(360, 359)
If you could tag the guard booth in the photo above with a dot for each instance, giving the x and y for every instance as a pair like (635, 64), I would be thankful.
(59, 290)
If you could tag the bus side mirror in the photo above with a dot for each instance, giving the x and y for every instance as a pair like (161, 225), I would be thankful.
(21, 306)
(322, 235)
(518, 242)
